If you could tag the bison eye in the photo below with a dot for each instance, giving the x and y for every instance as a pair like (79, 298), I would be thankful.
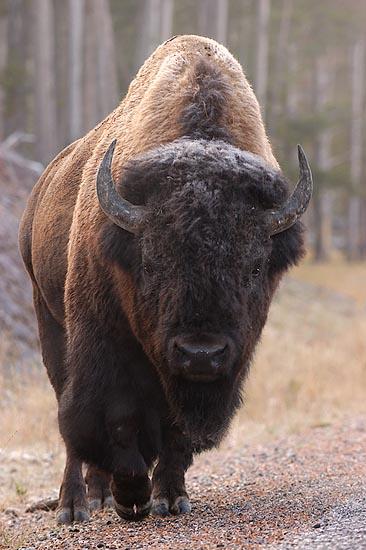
(148, 268)
(254, 273)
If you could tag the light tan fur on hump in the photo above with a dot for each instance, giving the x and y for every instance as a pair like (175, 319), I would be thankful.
(149, 116)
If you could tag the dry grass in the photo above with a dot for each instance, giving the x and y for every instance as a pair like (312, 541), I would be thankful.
(339, 276)
(310, 368)
(11, 540)
(28, 411)
(31, 450)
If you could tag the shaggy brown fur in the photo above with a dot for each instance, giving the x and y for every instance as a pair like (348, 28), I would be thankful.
(147, 117)
(184, 134)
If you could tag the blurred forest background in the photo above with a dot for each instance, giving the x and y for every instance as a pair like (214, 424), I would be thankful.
(65, 64)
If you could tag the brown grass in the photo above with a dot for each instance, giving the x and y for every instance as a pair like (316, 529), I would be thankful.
(339, 276)
(31, 450)
(310, 368)
(28, 411)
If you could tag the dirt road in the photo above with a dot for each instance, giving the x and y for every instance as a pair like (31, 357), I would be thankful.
(305, 491)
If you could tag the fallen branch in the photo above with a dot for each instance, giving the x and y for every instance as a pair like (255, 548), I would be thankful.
(8, 155)
(46, 505)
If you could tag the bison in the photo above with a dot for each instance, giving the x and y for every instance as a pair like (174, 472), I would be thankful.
(155, 244)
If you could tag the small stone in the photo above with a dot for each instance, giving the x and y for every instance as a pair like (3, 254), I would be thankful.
(12, 512)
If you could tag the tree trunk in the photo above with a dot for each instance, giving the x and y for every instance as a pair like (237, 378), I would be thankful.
(90, 88)
(279, 73)
(150, 30)
(354, 219)
(322, 201)
(363, 228)
(358, 93)
(245, 42)
(76, 24)
(16, 69)
(323, 228)
(213, 19)
(106, 59)
(100, 86)
(62, 72)
(292, 101)
(156, 23)
(46, 122)
(167, 8)
(261, 72)
(3, 57)
(222, 21)
(292, 95)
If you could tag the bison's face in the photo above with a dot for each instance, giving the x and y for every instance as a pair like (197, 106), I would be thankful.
(207, 254)
(204, 284)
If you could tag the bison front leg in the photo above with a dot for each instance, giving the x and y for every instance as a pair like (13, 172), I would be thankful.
(169, 492)
(99, 493)
(131, 485)
(72, 505)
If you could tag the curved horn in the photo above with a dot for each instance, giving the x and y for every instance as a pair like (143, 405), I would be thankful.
(119, 211)
(298, 202)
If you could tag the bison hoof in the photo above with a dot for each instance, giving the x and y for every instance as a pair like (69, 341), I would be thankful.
(136, 513)
(180, 505)
(96, 504)
(108, 502)
(160, 507)
(99, 493)
(68, 515)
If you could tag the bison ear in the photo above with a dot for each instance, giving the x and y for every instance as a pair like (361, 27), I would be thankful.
(119, 210)
(297, 203)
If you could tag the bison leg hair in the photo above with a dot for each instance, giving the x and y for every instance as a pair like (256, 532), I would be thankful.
(99, 493)
(73, 505)
(131, 485)
(52, 337)
(169, 492)
(102, 422)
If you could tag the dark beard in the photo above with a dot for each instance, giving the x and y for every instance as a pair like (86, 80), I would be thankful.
(205, 410)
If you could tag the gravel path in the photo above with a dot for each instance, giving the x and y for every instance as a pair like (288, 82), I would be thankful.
(305, 491)
(344, 526)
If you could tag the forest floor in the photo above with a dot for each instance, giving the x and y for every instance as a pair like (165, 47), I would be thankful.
(290, 474)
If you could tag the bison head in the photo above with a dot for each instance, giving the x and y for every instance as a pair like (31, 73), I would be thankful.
(207, 229)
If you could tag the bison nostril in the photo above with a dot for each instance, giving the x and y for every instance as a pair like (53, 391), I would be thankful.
(221, 351)
(195, 351)
(202, 359)
(180, 351)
